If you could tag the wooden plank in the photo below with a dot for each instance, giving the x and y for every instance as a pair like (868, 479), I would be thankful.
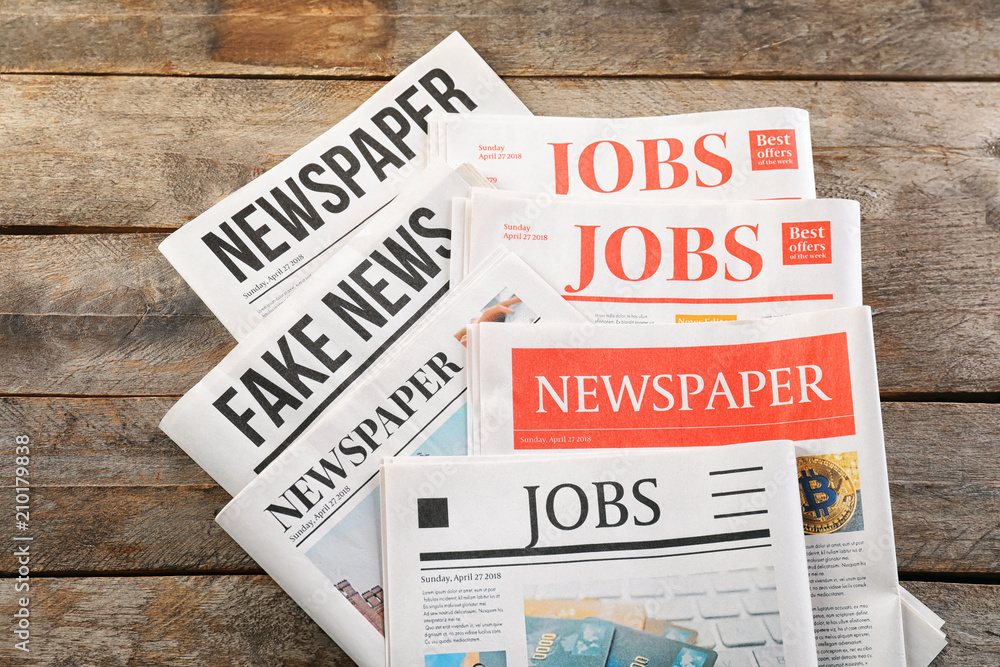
(113, 442)
(970, 613)
(248, 620)
(112, 494)
(191, 620)
(155, 152)
(896, 38)
(95, 355)
(92, 274)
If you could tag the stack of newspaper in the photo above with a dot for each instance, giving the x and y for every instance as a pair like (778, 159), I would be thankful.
(469, 422)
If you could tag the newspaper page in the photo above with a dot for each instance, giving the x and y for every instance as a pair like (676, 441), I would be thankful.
(311, 519)
(247, 253)
(268, 390)
(661, 558)
(637, 262)
(810, 378)
(740, 154)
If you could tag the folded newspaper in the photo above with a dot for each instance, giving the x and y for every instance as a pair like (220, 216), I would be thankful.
(809, 378)
(282, 377)
(634, 262)
(742, 154)
(247, 253)
(311, 519)
(611, 559)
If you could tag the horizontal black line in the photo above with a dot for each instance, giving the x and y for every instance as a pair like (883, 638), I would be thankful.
(735, 470)
(595, 560)
(321, 252)
(597, 547)
(732, 514)
(741, 492)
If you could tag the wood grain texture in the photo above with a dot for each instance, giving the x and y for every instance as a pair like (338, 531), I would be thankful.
(964, 609)
(248, 620)
(112, 494)
(184, 621)
(92, 274)
(96, 355)
(893, 38)
(155, 152)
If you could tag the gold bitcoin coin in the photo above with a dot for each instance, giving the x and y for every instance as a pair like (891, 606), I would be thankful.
(828, 495)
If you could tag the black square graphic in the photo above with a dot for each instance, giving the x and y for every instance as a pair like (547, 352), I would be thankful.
(432, 512)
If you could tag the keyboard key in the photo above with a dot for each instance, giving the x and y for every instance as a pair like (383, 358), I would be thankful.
(671, 609)
(739, 632)
(772, 656)
(696, 584)
(735, 658)
(720, 606)
(773, 624)
(646, 588)
(732, 582)
(764, 578)
(569, 590)
(601, 589)
(759, 603)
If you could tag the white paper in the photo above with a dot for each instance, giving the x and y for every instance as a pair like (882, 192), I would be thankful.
(281, 378)
(628, 262)
(311, 519)
(810, 378)
(246, 254)
(500, 560)
(719, 155)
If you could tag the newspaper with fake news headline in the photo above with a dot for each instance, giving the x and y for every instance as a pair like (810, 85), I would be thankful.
(742, 154)
(246, 254)
(637, 262)
(281, 378)
(809, 378)
(608, 558)
(311, 519)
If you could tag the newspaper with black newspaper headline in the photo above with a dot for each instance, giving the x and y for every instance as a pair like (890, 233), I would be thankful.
(741, 154)
(608, 558)
(809, 378)
(311, 519)
(274, 384)
(245, 255)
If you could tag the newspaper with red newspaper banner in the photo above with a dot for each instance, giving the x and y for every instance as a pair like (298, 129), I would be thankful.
(810, 378)
(245, 255)
(640, 261)
(741, 154)
(599, 559)
(311, 518)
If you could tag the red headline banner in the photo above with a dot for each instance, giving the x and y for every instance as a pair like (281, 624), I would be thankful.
(795, 389)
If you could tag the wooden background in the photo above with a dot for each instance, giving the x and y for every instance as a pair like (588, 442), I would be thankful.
(120, 121)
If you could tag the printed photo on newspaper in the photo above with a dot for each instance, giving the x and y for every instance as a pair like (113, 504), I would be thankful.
(718, 155)
(246, 254)
(311, 519)
(630, 262)
(281, 378)
(684, 557)
(809, 378)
